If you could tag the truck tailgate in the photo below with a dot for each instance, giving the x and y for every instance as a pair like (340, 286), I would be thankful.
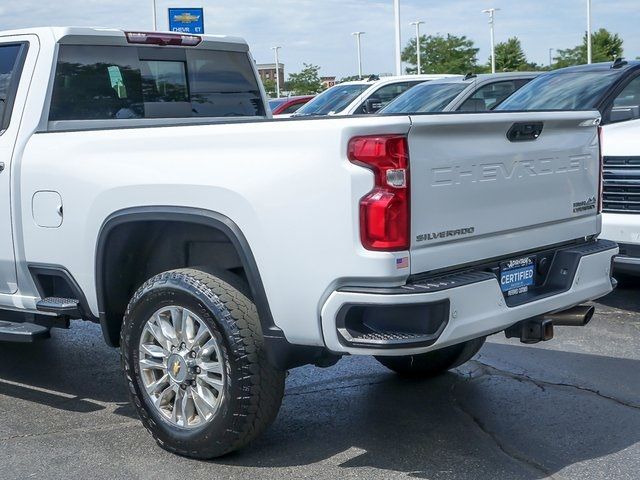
(483, 187)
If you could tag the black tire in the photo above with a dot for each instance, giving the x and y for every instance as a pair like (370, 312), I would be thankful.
(253, 390)
(435, 363)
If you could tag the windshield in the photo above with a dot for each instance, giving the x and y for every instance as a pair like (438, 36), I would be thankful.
(562, 91)
(428, 97)
(333, 100)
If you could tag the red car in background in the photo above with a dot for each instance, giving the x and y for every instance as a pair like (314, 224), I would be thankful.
(288, 105)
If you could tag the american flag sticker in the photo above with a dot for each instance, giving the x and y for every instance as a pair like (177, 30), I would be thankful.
(402, 262)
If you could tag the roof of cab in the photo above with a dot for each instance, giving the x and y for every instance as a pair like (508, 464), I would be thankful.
(113, 36)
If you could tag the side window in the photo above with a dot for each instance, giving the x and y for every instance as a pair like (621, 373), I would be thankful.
(384, 96)
(626, 105)
(11, 57)
(104, 83)
(293, 108)
(488, 96)
(522, 82)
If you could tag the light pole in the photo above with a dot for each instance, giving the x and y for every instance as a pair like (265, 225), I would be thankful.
(550, 58)
(155, 18)
(277, 53)
(492, 21)
(589, 46)
(396, 11)
(417, 25)
(359, 45)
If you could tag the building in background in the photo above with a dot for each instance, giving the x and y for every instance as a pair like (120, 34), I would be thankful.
(328, 82)
(267, 71)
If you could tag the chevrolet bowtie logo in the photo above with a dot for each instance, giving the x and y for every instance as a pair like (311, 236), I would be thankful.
(186, 18)
(175, 368)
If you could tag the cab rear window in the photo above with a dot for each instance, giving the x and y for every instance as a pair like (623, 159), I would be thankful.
(103, 82)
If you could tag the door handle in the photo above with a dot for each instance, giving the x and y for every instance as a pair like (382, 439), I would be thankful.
(1, 167)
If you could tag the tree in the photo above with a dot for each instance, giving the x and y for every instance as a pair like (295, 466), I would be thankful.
(440, 54)
(606, 48)
(353, 78)
(307, 82)
(510, 57)
(270, 87)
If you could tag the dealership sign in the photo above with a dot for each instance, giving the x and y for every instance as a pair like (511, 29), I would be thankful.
(186, 20)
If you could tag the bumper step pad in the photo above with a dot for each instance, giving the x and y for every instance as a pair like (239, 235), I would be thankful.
(389, 339)
(61, 306)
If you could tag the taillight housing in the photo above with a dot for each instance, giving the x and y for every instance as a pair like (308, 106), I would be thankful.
(384, 211)
(601, 177)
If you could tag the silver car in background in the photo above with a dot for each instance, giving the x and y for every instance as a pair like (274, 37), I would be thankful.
(472, 93)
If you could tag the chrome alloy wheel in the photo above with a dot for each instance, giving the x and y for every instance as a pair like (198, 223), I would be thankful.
(181, 367)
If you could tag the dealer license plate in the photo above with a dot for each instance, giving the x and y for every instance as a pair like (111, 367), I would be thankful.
(516, 276)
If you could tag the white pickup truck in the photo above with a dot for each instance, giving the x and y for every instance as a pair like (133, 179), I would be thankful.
(145, 188)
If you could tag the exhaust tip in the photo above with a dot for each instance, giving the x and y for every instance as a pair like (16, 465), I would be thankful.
(574, 317)
(588, 316)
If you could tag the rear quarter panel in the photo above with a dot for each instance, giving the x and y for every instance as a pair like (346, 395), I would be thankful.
(287, 184)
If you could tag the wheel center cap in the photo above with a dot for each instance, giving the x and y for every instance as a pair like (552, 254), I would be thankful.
(178, 369)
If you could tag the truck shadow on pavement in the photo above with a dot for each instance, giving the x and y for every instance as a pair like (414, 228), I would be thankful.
(513, 412)
(74, 371)
(480, 422)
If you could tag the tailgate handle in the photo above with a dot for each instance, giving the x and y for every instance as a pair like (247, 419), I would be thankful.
(525, 132)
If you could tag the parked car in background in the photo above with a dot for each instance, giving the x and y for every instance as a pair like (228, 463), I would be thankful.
(472, 93)
(288, 105)
(364, 96)
(614, 90)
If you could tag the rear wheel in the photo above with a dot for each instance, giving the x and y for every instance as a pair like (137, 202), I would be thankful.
(435, 363)
(193, 355)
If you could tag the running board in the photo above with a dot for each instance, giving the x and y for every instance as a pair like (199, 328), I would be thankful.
(22, 332)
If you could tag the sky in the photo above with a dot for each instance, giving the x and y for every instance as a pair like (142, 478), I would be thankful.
(319, 31)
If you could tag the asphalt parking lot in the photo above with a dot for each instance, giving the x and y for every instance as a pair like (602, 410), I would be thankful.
(566, 409)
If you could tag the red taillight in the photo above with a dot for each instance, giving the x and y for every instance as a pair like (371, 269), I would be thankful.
(384, 212)
(152, 38)
(601, 178)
